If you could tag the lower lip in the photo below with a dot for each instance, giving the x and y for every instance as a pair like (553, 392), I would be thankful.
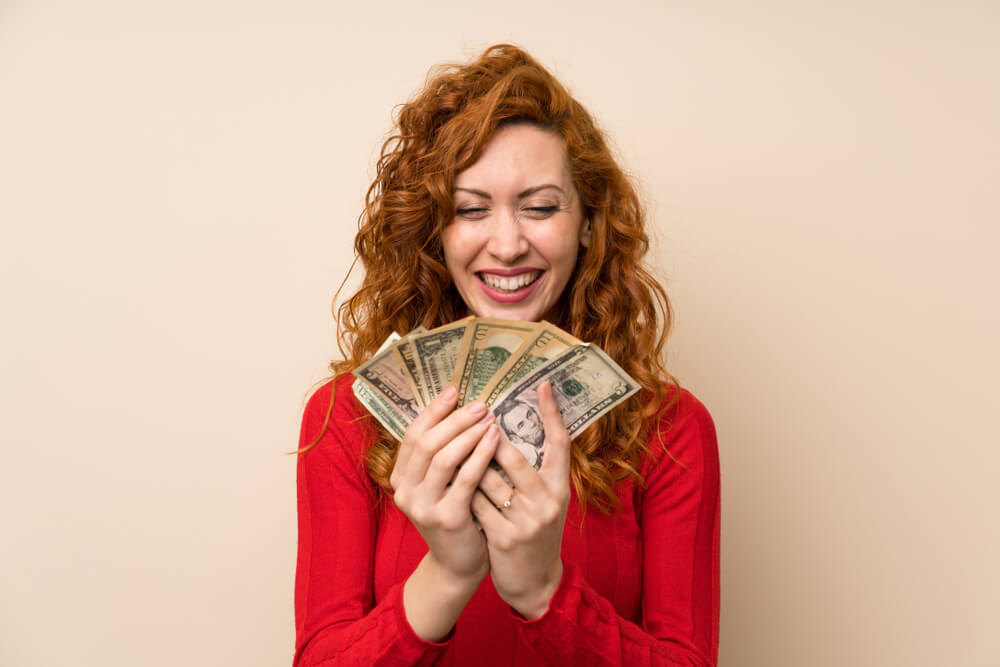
(509, 297)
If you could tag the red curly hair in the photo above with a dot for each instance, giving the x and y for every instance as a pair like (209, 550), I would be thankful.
(611, 300)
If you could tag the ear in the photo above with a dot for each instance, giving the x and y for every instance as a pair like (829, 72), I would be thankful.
(586, 232)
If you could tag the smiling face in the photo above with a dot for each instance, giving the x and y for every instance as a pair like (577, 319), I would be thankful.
(518, 226)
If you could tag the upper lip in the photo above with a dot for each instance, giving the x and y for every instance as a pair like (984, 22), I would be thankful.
(509, 272)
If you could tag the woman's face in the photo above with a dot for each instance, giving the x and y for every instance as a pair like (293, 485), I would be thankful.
(518, 226)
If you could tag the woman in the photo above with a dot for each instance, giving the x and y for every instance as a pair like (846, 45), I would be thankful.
(497, 196)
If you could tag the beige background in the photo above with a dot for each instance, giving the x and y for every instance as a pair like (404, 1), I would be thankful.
(179, 184)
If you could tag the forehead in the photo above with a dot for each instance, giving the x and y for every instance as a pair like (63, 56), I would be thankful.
(518, 157)
(519, 410)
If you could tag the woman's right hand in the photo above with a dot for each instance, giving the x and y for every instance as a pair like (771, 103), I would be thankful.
(440, 463)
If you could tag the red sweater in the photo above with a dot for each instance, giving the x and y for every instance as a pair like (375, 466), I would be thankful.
(640, 586)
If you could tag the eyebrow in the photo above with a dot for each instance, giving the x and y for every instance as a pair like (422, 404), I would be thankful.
(520, 195)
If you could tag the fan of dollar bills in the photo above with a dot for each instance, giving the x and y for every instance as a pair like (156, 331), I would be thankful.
(500, 362)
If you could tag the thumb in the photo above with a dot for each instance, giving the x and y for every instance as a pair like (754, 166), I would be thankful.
(556, 459)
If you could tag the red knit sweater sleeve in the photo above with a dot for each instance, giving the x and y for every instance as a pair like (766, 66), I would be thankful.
(679, 516)
(336, 620)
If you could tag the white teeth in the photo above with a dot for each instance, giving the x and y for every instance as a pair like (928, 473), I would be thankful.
(512, 283)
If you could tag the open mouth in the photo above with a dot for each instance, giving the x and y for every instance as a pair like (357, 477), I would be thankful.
(509, 284)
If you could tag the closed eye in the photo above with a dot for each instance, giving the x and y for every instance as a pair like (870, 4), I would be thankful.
(544, 210)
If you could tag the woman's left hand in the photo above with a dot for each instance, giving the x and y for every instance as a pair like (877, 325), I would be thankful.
(525, 538)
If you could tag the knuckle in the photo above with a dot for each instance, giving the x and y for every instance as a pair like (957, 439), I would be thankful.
(550, 512)
(413, 431)
(507, 456)
(442, 463)
(451, 521)
(464, 477)
(503, 542)
(453, 457)
(420, 514)
(401, 498)
(556, 434)
(514, 460)
(439, 461)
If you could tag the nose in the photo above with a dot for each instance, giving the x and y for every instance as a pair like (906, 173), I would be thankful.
(507, 241)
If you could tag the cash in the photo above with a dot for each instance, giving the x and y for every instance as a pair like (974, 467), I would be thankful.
(405, 356)
(489, 346)
(586, 384)
(500, 362)
(381, 409)
(547, 342)
(436, 352)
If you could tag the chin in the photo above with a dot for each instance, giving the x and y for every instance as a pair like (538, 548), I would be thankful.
(522, 314)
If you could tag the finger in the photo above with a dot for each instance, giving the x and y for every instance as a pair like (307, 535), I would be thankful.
(490, 518)
(471, 471)
(555, 463)
(495, 487)
(443, 465)
(448, 428)
(436, 410)
(439, 408)
(521, 474)
(440, 435)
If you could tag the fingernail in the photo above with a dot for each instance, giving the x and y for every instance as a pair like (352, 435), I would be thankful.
(488, 417)
(449, 393)
(477, 407)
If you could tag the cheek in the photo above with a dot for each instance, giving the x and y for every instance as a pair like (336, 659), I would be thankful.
(560, 245)
(459, 245)
(451, 244)
(563, 255)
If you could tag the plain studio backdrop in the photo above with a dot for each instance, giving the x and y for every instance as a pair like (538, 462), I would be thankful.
(179, 189)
